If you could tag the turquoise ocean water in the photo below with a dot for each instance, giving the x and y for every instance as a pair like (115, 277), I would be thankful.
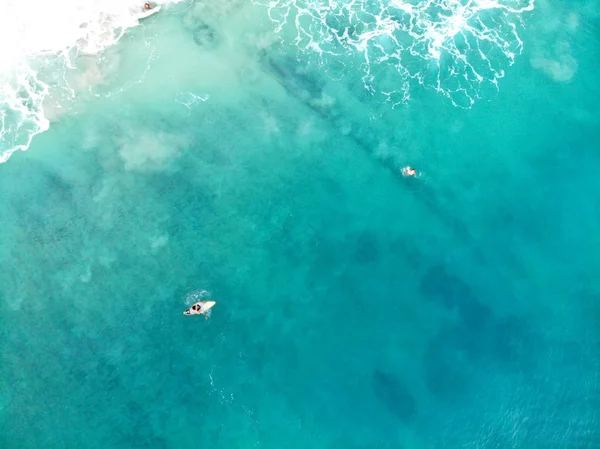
(356, 309)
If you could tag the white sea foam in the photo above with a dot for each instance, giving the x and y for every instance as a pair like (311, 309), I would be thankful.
(460, 48)
(196, 296)
(40, 42)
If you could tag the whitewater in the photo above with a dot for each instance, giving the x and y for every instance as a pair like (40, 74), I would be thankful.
(53, 53)
(41, 45)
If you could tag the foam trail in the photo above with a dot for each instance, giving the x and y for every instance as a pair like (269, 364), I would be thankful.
(39, 43)
(457, 47)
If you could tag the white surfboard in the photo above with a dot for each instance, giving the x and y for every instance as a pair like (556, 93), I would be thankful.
(208, 305)
(205, 307)
(147, 12)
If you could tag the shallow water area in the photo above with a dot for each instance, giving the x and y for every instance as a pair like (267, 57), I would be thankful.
(203, 156)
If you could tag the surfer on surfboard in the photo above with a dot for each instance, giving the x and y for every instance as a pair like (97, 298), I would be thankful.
(148, 9)
(408, 171)
(200, 308)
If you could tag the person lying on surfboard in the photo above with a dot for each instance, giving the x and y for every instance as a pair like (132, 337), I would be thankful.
(200, 308)
(408, 171)
(147, 6)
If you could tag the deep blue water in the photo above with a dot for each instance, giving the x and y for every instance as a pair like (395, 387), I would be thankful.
(355, 308)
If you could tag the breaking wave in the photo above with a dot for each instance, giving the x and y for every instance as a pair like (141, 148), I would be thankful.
(459, 48)
(40, 44)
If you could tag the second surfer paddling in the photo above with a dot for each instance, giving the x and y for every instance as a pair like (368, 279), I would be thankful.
(408, 171)
(200, 308)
